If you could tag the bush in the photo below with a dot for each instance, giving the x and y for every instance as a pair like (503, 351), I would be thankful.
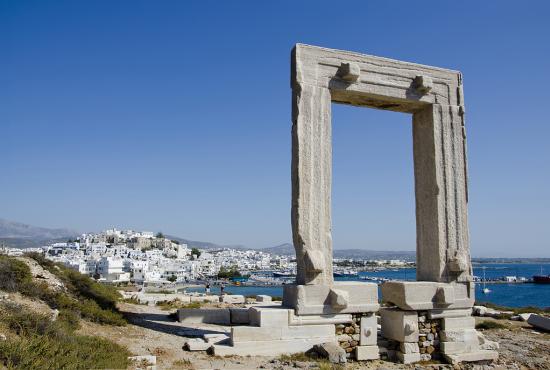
(75, 352)
(81, 285)
(169, 305)
(196, 252)
(133, 300)
(172, 278)
(14, 274)
(93, 301)
(516, 310)
(36, 342)
(490, 325)
(233, 272)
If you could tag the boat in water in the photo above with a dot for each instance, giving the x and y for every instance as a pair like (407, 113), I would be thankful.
(345, 273)
(541, 279)
(485, 289)
(283, 274)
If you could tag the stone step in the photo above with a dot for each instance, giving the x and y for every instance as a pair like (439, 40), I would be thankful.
(254, 333)
(481, 355)
(269, 316)
(196, 344)
(269, 347)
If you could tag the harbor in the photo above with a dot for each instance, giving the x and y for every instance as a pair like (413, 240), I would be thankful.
(509, 284)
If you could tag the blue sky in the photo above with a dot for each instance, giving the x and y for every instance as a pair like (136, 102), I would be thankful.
(175, 116)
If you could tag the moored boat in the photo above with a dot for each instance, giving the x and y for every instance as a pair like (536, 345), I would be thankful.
(541, 279)
(283, 274)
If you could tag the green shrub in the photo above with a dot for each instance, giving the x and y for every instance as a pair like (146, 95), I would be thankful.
(75, 352)
(105, 296)
(70, 319)
(133, 300)
(81, 285)
(516, 310)
(93, 301)
(490, 325)
(36, 342)
(169, 305)
(14, 274)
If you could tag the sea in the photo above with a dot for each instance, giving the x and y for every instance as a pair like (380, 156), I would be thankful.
(504, 294)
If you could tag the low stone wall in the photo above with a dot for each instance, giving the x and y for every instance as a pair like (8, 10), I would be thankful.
(220, 316)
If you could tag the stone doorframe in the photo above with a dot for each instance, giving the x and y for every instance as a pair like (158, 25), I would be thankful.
(434, 96)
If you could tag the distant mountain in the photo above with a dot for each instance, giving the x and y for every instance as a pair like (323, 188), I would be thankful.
(287, 249)
(203, 245)
(375, 255)
(20, 235)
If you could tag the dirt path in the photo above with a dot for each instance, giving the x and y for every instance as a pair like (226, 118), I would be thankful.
(521, 347)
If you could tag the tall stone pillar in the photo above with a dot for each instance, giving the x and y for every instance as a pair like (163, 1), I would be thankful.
(315, 291)
(311, 184)
(439, 141)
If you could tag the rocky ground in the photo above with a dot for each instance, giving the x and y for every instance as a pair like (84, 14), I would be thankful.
(153, 332)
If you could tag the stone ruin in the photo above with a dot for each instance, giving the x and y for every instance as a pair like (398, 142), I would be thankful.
(424, 319)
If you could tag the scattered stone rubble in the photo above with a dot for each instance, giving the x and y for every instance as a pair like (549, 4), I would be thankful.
(540, 322)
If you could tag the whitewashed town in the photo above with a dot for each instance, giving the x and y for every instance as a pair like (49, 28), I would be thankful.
(145, 258)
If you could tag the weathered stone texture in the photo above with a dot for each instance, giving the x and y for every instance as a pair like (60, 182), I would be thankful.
(311, 184)
(220, 316)
(425, 295)
(434, 97)
(319, 299)
(399, 325)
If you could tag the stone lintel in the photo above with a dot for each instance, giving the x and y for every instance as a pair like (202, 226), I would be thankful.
(366, 80)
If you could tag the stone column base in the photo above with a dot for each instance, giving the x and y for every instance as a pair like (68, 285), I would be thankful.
(435, 334)
(427, 295)
(342, 297)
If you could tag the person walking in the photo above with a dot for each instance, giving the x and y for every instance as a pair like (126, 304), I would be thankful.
(207, 287)
(222, 289)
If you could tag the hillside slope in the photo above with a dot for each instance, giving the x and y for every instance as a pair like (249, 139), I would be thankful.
(42, 306)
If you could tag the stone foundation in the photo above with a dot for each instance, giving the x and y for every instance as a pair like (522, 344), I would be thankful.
(424, 335)
(275, 331)
(359, 337)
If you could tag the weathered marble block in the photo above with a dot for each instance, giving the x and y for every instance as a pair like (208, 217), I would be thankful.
(368, 330)
(399, 325)
(363, 353)
(319, 299)
(426, 295)
(268, 316)
(220, 316)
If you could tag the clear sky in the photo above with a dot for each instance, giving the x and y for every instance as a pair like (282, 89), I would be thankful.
(174, 116)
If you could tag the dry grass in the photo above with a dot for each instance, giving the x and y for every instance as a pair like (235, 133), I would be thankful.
(490, 324)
